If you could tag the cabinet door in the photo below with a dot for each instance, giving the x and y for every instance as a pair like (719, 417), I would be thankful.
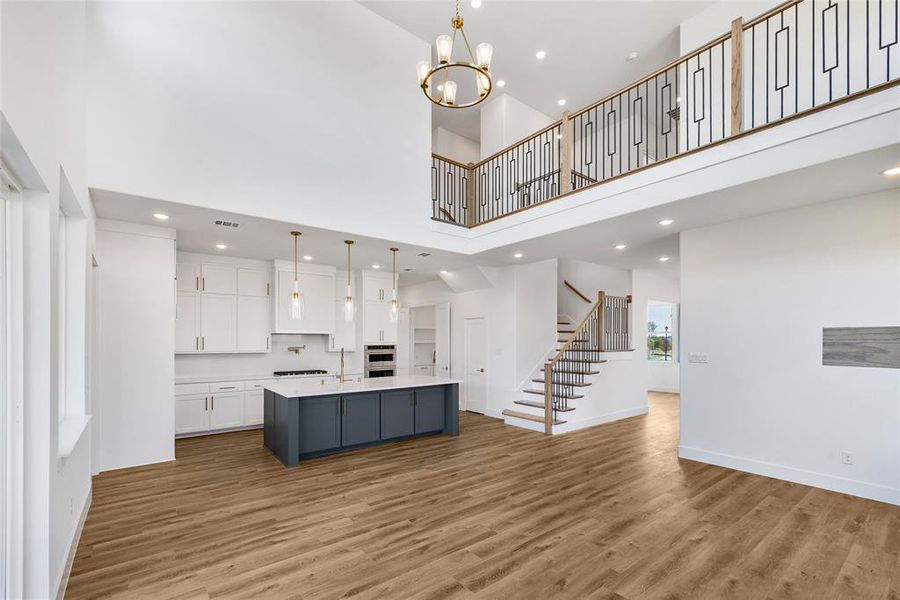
(344, 331)
(187, 322)
(187, 277)
(253, 282)
(191, 414)
(253, 407)
(226, 410)
(318, 301)
(218, 279)
(218, 320)
(253, 324)
(320, 424)
(429, 409)
(376, 319)
(360, 419)
(376, 289)
(397, 414)
(442, 340)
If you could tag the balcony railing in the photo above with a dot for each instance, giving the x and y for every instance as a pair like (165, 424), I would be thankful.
(797, 58)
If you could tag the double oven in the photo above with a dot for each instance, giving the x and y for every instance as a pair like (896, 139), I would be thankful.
(381, 361)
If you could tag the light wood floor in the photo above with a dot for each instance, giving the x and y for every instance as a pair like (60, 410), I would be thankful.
(498, 512)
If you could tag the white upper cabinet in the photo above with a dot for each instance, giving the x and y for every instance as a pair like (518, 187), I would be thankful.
(187, 277)
(253, 282)
(344, 335)
(218, 278)
(376, 309)
(187, 322)
(218, 323)
(253, 321)
(317, 287)
(376, 288)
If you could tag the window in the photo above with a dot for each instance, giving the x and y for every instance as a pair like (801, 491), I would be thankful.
(661, 331)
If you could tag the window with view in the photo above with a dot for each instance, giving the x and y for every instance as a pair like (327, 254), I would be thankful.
(661, 331)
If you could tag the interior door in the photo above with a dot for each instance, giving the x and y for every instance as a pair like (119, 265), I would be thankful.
(476, 358)
(187, 322)
(218, 320)
(442, 340)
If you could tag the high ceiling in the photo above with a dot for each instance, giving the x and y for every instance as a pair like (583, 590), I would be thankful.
(587, 45)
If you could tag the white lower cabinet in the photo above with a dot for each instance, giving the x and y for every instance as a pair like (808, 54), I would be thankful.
(211, 407)
(226, 410)
(253, 407)
(191, 413)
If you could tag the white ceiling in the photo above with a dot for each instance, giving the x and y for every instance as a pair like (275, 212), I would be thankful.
(587, 44)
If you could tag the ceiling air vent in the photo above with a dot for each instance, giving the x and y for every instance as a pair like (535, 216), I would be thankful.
(407, 269)
(423, 254)
(226, 223)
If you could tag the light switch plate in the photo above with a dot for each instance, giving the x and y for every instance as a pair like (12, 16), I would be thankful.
(698, 357)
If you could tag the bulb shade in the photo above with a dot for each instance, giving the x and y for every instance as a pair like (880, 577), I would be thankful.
(422, 71)
(349, 309)
(298, 306)
(483, 54)
(395, 311)
(450, 92)
(483, 84)
(444, 47)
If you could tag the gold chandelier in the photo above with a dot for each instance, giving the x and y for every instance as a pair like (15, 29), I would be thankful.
(480, 63)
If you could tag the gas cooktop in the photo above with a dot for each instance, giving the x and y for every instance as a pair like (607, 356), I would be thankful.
(300, 372)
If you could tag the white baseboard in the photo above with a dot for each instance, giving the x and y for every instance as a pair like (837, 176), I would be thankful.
(820, 480)
(664, 390)
(600, 420)
(73, 548)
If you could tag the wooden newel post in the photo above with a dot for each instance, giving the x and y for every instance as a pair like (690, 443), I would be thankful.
(737, 62)
(601, 317)
(565, 154)
(471, 200)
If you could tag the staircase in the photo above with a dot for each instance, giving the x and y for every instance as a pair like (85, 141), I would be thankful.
(573, 365)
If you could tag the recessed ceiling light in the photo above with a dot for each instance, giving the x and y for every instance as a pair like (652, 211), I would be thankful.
(663, 258)
(621, 246)
(517, 255)
(892, 171)
(666, 222)
(161, 216)
(443, 272)
(500, 83)
(221, 246)
(476, 3)
(376, 266)
(540, 54)
(307, 257)
(561, 101)
(632, 55)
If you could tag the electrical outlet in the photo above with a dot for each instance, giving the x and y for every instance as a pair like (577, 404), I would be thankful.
(846, 457)
(698, 357)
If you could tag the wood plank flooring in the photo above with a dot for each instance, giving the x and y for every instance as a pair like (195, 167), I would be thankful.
(499, 512)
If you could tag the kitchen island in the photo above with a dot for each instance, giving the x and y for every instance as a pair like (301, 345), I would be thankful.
(306, 418)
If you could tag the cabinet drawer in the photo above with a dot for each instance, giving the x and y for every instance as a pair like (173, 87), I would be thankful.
(186, 389)
(227, 386)
(257, 384)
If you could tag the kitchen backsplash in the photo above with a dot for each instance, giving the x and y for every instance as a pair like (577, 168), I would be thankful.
(279, 359)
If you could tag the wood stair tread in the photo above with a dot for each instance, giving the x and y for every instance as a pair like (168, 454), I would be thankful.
(563, 382)
(574, 372)
(567, 397)
(528, 417)
(540, 405)
(582, 360)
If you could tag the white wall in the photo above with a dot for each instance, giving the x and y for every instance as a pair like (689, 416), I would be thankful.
(661, 376)
(756, 294)
(450, 145)
(589, 279)
(43, 102)
(137, 344)
(536, 314)
(295, 105)
(714, 20)
(505, 121)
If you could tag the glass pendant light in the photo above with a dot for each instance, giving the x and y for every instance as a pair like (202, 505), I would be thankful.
(444, 47)
(297, 304)
(450, 92)
(484, 52)
(349, 309)
(395, 306)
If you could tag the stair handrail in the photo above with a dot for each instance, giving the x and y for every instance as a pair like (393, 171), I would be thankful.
(596, 311)
(576, 291)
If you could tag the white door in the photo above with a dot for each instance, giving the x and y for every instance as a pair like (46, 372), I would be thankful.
(191, 413)
(218, 320)
(187, 322)
(226, 410)
(218, 279)
(476, 357)
(442, 340)
(187, 277)
(253, 407)
(253, 282)
(253, 324)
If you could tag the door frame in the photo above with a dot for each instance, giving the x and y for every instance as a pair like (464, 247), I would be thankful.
(484, 323)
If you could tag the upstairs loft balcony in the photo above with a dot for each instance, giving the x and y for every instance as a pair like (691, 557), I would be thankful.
(799, 58)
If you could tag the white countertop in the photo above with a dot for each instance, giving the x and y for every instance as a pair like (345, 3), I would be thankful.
(250, 377)
(303, 388)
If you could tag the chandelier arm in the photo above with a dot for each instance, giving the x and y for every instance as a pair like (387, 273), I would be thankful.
(466, 40)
